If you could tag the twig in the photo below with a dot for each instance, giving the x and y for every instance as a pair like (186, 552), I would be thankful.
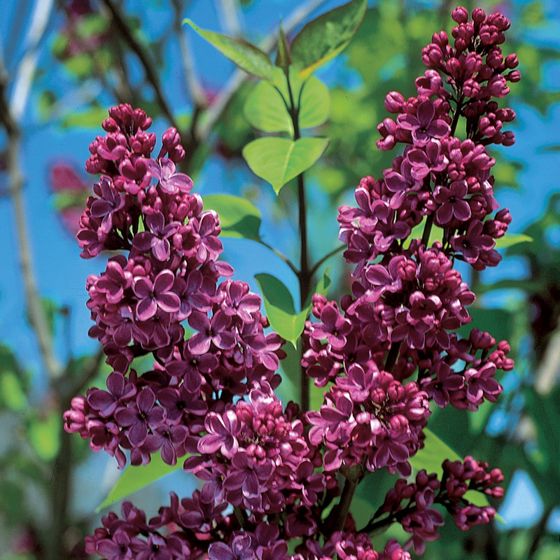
(539, 532)
(37, 315)
(229, 17)
(194, 88)
(548, 371)
(68, 387)
(343, 507)
(26, 68)
(135, 46)
(280, 255)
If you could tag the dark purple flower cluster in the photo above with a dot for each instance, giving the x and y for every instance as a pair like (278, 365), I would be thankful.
(256, 456)
(348, 545)
(412, 503)
(167, 274)
(407, 300)
(370, 419)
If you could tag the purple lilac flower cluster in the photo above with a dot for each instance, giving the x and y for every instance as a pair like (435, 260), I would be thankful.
(272, 473)
(167, 273)
(407, 300)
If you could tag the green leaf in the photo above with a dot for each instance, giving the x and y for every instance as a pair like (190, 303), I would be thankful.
(279, 306)
(278, 160)
(433, 454)
(135, 478)
(509, 240)
(11, 391)
(238, 217)
(43, 434)
(85, 119)
(326, 36)
(266, 110)
(245, 55)
(315, 103)
(323, 284)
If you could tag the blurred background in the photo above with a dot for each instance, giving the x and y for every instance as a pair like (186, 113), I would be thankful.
(63, 63)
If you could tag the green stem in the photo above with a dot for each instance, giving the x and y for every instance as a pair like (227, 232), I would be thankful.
(392, 356)
(304, 274)
(427, 230)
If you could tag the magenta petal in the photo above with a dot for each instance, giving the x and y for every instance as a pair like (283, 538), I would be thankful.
(425, 113)
(224, 340)
(160, 249)
(146, 309)
(444, 213)
(142, 287)
(395, 181)
(210, 443)
(199, 343)
(126, 416)
(164, 282)
(137, 434)
(169, 302)
(462, 210)
(145, 400)
(199, 321)
(143, 241)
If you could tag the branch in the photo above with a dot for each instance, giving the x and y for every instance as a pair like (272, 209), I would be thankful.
(69, 387)
(280, 255)
(230, 17)
(548, 371)
(26, 69)
(194, 88)
(239, 77)
(137, 48)
(9, 118)
(343, 507)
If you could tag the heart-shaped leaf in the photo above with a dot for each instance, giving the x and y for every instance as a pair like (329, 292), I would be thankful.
(278, 160)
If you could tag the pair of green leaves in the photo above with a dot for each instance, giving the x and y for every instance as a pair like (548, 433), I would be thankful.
(318, 42)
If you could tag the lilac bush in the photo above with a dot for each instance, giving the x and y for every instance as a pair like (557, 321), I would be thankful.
(278, 480)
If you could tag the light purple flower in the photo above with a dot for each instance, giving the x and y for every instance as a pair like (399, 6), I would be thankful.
(156, 295)
(170, 181)
(216, 330)
(452, 203)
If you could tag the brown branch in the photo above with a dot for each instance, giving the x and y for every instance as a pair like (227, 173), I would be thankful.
(194, 89)
(68, 386)
(136, 47)
(36, 312)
